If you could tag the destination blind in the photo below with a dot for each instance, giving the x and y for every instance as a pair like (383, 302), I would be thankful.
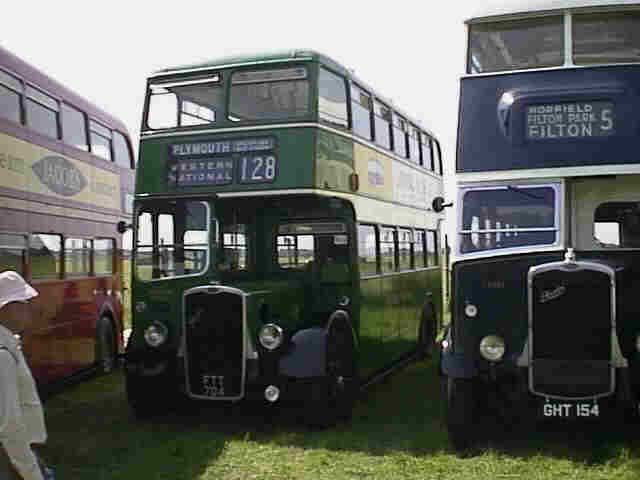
(570, 120)
(222, 162)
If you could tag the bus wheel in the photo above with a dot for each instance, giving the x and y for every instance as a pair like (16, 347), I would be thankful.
(143, 407)
(460, 416)
(427, 334)
(342, 373)
(105, 346)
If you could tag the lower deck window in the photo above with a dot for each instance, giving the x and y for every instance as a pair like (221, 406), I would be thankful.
(77, 257)
(295, 251)
(104, 249)
(319, 248)
(172, 239)
(45, 256)
(388, 262)
(367, 258)
(508, 216)
(13, 252)
(234, 248)
(617, 224)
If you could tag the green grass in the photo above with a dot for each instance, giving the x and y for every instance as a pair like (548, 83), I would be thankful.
(396, 432)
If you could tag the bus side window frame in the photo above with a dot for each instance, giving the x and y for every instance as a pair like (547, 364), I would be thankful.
(347, 100)
(32, 97)
(361, 92)
(15, 84)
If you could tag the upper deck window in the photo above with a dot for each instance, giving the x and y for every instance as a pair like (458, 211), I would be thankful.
(507, 217)
(74, 127)
(269, 94)
(185, 102)
(516, 44)
(42, 112)
(10, 89)
(332, 99)
(601, 38)
(361, 112)
(382, 124)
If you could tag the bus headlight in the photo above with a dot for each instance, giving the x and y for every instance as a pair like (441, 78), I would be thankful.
(638, 343)
(156, 334)
(470, 310)
(492, 348)
(270, 336)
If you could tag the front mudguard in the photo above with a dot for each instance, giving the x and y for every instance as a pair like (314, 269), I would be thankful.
(306, 356)
(456, 365)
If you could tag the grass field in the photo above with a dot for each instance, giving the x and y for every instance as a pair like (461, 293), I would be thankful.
(396, 432)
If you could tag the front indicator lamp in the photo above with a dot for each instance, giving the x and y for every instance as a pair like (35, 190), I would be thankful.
(156, 334)
(270, 336)
(492, 348)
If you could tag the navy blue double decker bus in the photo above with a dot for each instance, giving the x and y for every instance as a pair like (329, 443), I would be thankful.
(546, 267)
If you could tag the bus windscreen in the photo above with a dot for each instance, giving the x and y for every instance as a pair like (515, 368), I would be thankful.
(516, 44)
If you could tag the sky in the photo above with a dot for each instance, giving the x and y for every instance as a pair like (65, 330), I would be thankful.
(409, 52)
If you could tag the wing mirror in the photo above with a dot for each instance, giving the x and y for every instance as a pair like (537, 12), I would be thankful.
(438, 204)
(123, 226)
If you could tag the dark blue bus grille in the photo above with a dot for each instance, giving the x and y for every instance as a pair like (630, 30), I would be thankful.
(214, 350)
(571, 327)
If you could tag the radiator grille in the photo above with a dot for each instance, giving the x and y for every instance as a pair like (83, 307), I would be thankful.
(214, 344)
(571, 332)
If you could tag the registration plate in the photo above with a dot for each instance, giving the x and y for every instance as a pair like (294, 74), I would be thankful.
(570, 410)
(213, 385)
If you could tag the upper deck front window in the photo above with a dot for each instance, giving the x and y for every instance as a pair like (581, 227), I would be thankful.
(516, 44)
(182, 103)
(269, 94)
(602, 38)
(508, 217)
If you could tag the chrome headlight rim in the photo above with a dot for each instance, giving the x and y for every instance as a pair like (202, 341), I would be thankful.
(270, 336)
(492, 348)
(156, 334)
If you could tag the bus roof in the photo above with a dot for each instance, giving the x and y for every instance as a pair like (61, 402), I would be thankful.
(253, 59)
(41, 80)
(501, 8)
(267, 57)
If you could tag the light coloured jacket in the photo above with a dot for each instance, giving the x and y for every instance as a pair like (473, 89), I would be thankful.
(21, 414)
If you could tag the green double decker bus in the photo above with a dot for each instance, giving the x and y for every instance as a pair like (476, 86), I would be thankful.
(285, 246)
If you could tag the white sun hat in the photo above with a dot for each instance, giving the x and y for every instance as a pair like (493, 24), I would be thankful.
(13, 288)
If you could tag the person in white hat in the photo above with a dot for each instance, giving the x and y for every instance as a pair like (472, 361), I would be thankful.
(21, 415)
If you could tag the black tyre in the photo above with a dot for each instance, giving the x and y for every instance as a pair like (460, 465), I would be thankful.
(145, 400)
(428, 331)
(460, 413)
(105, 346)
(139, 399)
(333, 399)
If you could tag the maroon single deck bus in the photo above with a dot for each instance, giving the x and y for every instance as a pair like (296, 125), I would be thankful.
(66, 180)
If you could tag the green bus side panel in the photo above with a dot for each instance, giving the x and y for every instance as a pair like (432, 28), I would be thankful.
(294, 150)
(335, 161)
(390, 315)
